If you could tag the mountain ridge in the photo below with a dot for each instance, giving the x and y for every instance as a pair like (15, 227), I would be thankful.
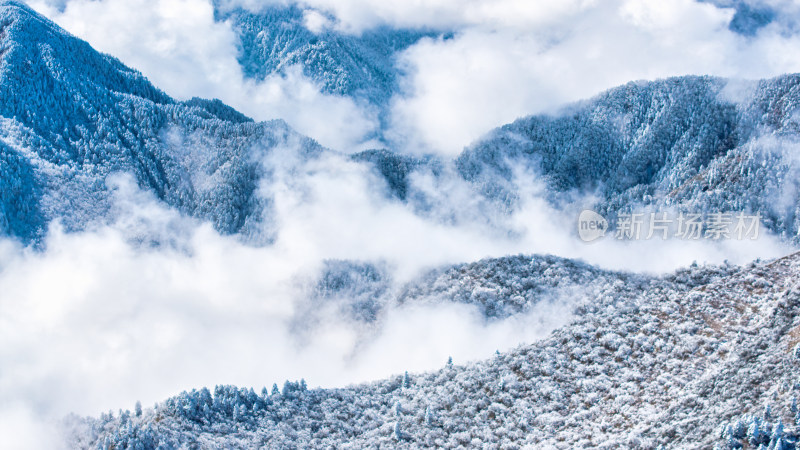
(681, 142)
(360, 66)
(673, 143)
(75, 113)
(678, 362)
(645, 361)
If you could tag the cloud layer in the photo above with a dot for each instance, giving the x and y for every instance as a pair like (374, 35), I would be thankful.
(96, 322)
(489, 74)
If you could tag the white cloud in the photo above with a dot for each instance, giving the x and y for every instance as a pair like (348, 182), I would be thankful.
(316, 21)
(357, 15)
(486, 76)
(95, 322)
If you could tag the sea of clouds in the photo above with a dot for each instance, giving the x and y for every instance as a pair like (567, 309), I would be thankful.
(96, 320)
(157, 302)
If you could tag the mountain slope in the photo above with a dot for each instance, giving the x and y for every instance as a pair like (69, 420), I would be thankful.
(361, 66)
(670, 364)
(695, 143)
(645, 361)
(504, 287)
(364, 294)
(70, 117)
(20, 197)
(73, 116)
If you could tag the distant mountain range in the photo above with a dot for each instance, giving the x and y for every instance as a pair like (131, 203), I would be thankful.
(71, 116)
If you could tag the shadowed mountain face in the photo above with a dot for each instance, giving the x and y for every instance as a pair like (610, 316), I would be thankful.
(70, 116)
(749, 16)
(20, 197)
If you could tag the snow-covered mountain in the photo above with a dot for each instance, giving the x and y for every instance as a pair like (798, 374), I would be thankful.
(688, 359)
(701, 358)
(361, 66)
(693, 143)
(70, 116)
(495, 289)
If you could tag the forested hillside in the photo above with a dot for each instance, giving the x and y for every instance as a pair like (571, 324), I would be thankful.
(693, 143)
(362, 66)
(699, 357)
(702, 358)
(70, 116)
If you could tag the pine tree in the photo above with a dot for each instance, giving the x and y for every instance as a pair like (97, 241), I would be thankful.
(398, 434)
(776, 440)
(754, 434)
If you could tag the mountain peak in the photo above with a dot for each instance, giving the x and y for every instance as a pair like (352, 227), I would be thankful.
(15, 15)
(71, 116)
(43, 68)
(35, 52)
(14, 6)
